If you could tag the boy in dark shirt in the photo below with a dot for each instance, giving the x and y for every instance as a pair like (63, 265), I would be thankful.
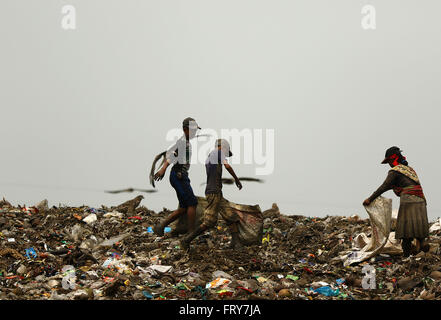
(213, 191)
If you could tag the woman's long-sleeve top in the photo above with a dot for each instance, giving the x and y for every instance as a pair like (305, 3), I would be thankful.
(393, 180)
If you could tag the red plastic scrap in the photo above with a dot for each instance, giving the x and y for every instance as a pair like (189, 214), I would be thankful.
(226, 293)
(394, 282)
(136, 217)
(246, 289)
(385, 265)
(29, 210)
(108, 279)
(307, 270)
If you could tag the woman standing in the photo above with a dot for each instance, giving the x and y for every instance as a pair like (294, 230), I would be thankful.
(412, 219)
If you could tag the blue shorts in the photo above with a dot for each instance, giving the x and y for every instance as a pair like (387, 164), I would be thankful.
(183, 190)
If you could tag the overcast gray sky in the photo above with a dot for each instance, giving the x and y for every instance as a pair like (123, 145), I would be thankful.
(86, 110)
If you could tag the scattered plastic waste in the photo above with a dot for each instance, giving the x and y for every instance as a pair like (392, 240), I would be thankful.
(91, 218)
(110, 242)
(217, 283)
(166, 229)
(262, 279)
(160, 269)
(436, 226)
(55, 255)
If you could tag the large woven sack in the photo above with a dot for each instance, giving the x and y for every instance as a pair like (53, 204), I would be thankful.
(250, 221)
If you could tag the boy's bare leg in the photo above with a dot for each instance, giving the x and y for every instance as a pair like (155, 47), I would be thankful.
(191, 215)
(235, 242)
(185, 241)
(158, 229)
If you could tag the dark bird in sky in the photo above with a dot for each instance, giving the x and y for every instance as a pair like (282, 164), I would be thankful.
(231, 181)
(131, 190)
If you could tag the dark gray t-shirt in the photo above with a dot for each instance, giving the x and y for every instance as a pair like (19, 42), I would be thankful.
(213, 167)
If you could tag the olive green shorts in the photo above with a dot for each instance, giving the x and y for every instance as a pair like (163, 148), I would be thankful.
(218, 205)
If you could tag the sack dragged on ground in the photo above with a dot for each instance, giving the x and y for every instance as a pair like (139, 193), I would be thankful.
(250, 221)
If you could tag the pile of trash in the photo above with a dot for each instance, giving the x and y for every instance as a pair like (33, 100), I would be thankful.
(63, 253)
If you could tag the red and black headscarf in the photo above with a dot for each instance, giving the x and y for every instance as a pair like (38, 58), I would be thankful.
(394, 153)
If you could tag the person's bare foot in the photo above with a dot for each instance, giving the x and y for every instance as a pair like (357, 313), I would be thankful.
(424, 246)
(158, 229)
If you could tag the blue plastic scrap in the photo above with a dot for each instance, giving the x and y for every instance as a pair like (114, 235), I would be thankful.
(147, 294)
(31, 252)
(327, 291)
(202, 291)
(166, 229)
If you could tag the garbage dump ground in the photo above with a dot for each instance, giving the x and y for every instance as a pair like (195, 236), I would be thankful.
(84, 253)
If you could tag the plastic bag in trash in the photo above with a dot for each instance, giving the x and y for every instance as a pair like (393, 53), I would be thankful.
(382, 240)
(436, 226)
(91, 218)
(327, 291)
(217, 283)
(250, 220)
(110, 242)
